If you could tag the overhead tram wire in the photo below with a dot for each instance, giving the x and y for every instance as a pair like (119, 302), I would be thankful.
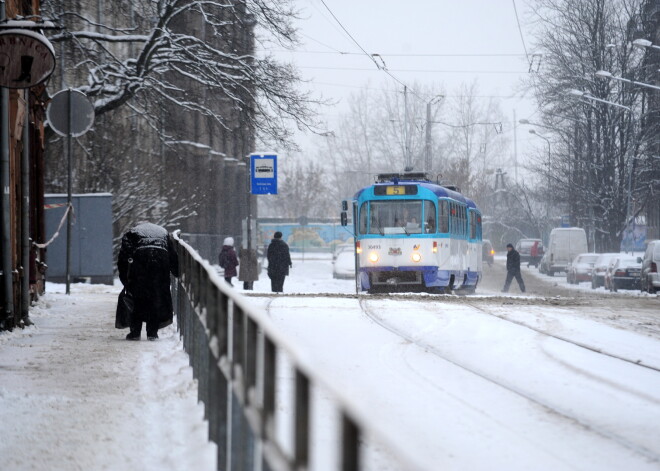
(347, 53)
(370, 56)
(378, 89)
(438, 71)
(522, 38)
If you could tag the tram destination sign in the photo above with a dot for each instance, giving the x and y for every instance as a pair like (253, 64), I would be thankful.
(263, 171)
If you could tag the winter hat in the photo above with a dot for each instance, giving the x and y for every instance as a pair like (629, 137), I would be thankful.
(277, 235)
(509, 245)
(229, 241)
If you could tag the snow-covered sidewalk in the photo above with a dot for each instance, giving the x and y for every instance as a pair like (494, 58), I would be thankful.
(75, 395)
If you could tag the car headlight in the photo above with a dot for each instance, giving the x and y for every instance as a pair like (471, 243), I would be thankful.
(416, 257)
(373, 257)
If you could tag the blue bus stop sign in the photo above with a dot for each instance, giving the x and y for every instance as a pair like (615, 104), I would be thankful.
(263, 172)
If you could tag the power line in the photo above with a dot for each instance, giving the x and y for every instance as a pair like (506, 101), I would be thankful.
(334, 49)
(366, 87)
(522, 38)
(439, 71)
(349, 34)
(345, 53)
(370, 56)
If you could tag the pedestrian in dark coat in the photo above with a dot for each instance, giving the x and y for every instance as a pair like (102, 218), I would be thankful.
(228, 259)
(513, 269)
(279, 262)
(146, 259)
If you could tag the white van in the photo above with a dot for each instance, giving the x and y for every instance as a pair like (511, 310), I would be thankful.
(565, 244)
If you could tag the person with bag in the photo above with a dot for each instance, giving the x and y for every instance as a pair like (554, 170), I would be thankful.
(228, 259)
(146, 259)
(279, 262)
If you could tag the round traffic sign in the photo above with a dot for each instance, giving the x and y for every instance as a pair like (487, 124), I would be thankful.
(70, 106)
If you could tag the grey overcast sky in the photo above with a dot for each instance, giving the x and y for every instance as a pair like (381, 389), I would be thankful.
(446, 42)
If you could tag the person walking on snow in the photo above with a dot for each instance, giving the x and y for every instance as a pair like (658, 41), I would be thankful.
(279, 262)
(513, 269)
(228, 259)
(146, 259)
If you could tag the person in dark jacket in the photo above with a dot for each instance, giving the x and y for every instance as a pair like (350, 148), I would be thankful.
(228, 259)
(146, 259)
(279, 262)
(513, 269)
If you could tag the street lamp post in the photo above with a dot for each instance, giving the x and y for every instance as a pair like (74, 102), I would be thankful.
(547, 203)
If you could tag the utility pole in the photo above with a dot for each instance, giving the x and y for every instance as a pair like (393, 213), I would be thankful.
(515, 147)
(408, 166)
(427, 153)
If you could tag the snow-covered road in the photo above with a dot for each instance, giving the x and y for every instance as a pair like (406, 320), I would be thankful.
(489, 382)
(74, 395)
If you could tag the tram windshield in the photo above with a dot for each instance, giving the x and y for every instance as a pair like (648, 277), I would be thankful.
(396, 217)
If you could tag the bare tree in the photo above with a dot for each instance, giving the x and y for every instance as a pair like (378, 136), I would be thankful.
(304, 191)
(201, 43)
(594, 145)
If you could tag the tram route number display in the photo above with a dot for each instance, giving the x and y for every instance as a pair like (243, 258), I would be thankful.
(395, 190)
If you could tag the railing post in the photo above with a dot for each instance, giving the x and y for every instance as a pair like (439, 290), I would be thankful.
(301, 425)
(350, 444)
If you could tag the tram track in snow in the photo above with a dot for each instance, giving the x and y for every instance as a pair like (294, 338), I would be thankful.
(432, 349)
(562, 338)
(475, 302)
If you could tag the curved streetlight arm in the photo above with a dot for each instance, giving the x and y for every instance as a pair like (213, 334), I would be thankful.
(644, 43)
(608, 75)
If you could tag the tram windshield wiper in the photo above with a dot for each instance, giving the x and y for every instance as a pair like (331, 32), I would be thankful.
(405, 230)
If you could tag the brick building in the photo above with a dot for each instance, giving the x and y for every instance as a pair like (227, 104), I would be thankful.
(22, 172)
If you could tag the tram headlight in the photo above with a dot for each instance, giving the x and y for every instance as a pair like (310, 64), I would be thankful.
(373, 257)
(416, 257)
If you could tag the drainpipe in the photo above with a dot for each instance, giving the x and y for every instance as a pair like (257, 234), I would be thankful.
(7, 287)
(25, 214)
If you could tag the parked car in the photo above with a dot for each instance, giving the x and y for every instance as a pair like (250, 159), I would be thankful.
(487, 252)
(650, 278)
(341, 248)
(580, 268)
(600, 266)
(565, 244)
(623, 273)
(530, 250)
(343, 266)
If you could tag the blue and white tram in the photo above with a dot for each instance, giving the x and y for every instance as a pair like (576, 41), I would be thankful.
(415, 234)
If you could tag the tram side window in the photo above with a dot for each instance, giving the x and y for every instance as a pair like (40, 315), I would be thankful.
(473, 225)
(444, 216)
(465, 221)
(453, 218)
(479, 228)
(364, 213)
(430, 226)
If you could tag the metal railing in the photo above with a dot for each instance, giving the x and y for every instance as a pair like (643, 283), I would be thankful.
(234, 350)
